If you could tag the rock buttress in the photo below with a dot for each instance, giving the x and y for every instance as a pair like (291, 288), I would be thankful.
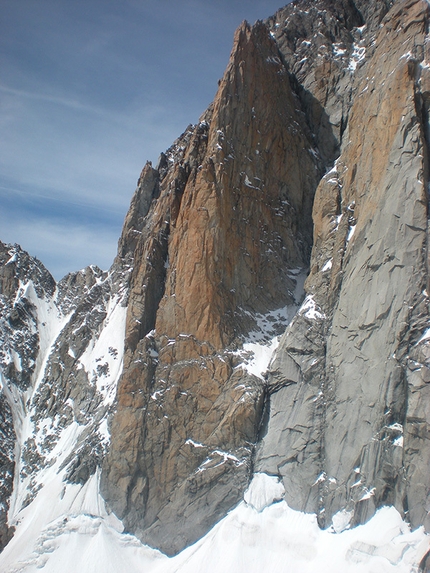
(230, 215)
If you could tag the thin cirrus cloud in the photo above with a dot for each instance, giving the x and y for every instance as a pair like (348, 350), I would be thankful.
(88, 92)
(60, 242)
(51, 151)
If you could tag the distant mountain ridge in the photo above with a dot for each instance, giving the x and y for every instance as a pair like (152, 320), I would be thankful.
(198, 365)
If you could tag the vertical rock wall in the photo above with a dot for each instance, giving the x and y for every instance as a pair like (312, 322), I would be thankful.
(230, 217)
(317, 140)
(354, 433)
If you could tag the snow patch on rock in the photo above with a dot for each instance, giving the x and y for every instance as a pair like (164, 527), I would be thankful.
(310, 309)
(263, 491)
(103, 357)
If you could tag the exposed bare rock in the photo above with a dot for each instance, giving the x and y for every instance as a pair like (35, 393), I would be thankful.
(7, 468)
(16, 265)
(356, 425)
(231, 206)
(324, 45)
(314, 154)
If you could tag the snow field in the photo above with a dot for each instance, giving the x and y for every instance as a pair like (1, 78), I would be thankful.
(104, 354)
(67, 529)
(50, 323)
(108, 346)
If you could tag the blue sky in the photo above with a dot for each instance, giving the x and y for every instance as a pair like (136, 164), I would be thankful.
(90, 90)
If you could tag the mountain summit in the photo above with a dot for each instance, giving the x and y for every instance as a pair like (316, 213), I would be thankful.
(252, 375)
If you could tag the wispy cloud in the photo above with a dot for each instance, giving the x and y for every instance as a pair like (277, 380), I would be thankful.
(62, 246)
(90, 156)
(62, 101)
(89, 92)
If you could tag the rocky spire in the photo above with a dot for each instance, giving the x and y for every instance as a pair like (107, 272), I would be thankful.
(230, 217)
(214, 232)
(312, 157)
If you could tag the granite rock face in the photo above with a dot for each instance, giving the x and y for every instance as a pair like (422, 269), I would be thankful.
(215, 231)
(312, 159)
(353, 434)
(228, 206)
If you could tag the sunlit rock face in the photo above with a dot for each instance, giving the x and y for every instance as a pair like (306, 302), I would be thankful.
(217, 230)
(157, 383)
(325, 96)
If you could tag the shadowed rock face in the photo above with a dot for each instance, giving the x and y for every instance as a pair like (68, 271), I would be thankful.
(19, 345)
(45, 330)
(354, 427)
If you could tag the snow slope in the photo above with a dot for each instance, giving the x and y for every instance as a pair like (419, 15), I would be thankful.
(75, 534)
(66, 527)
